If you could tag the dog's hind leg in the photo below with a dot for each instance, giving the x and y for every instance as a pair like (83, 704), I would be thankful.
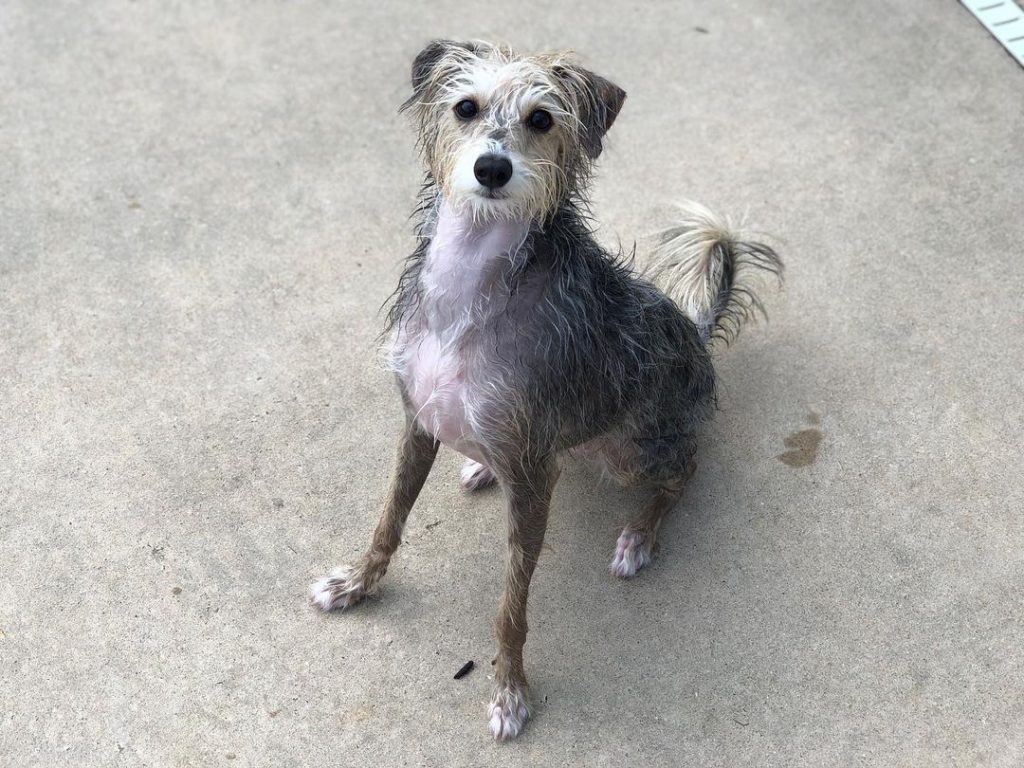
(475, 475)
(528, 486)
(635, 546)
(346, 586)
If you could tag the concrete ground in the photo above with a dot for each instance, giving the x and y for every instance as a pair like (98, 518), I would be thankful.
(203, 205)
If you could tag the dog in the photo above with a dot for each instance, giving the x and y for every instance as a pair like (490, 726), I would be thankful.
(515, 337)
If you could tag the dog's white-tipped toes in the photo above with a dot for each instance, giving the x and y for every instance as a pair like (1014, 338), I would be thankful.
(342, 589)
(475, 475)
(632, 552)
(507, 713)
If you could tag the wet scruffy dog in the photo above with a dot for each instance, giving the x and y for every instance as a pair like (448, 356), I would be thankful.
(516, 337)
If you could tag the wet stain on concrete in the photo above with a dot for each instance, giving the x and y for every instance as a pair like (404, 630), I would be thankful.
(803, 448)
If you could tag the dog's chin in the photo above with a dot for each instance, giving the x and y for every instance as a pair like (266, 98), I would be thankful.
(492, 204)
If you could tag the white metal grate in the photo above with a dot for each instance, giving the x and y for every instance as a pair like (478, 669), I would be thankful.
(1005, 20)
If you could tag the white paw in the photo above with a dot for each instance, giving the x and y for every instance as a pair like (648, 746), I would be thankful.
(632, 552)
(475, 475)
(507, 713)
(342, 589)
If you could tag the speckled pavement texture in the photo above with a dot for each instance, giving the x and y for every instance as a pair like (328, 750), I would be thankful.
(203, 206)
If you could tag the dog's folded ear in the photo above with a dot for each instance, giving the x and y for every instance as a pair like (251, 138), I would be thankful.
(599, 103)
(427, 59)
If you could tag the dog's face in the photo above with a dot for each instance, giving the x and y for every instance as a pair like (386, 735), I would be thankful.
(509, 136)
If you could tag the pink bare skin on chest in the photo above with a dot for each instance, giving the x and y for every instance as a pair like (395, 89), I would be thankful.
(435, 353)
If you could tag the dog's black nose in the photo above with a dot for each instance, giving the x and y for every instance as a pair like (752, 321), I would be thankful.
(492, 171)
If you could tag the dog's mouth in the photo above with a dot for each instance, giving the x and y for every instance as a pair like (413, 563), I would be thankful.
(492, 194)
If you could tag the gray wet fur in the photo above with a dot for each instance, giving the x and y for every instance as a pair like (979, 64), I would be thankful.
(582, 348)
(569, 349)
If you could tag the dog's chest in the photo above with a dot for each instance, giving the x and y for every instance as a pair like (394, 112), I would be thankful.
(438, 355)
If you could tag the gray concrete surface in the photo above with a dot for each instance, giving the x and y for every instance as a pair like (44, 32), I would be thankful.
(201, 208)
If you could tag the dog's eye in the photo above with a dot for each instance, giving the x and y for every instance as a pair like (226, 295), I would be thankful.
(466, 109)
(540, 120)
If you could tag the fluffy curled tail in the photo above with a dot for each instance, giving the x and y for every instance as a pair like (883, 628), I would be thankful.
(706, 269)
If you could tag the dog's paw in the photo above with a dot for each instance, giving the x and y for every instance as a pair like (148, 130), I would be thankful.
(508, 712)
(475, 475)
(342, 589)
(632, 552)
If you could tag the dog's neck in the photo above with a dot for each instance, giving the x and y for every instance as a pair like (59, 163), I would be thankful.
(457, 229)
(466, 256)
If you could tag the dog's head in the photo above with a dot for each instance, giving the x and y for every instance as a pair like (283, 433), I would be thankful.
(511, 136)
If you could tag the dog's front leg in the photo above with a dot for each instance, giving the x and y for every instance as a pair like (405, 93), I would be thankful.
(528, 486)
(347, 585)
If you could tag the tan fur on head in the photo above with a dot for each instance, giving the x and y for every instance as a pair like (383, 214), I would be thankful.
(549, 166)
